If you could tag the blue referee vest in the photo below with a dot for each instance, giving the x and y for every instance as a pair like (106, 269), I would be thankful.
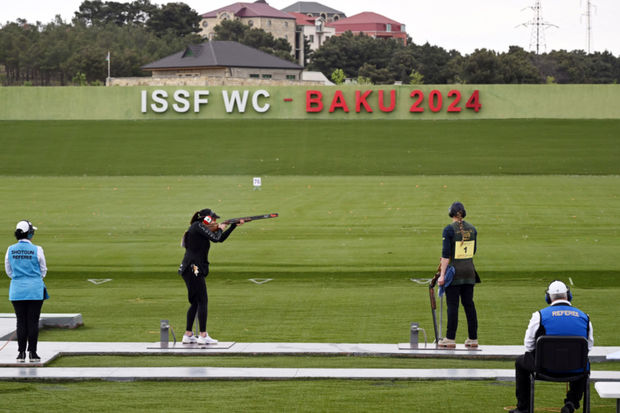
(26, 283)
(564, 320)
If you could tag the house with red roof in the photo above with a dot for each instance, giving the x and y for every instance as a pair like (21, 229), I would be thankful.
(371, 24)
(313, 29)
(258, 14)
(314, 9)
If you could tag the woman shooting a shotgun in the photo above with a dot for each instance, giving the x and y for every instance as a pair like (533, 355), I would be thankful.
(202, 231)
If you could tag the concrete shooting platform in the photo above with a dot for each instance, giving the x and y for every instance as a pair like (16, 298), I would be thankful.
(7, 322)
(49, 350)
(234, 373)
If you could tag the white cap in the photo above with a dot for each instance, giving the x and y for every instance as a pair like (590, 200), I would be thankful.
(24, 226)
(557, 287)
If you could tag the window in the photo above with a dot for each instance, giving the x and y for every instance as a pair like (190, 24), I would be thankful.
(254, 75)
(250, 23)
(266, 76)
(311, 38)
(336, 18)
(285, 24)
(388, 27)
(402, 28)
(291, 77)
(269, 23)
(205, 23)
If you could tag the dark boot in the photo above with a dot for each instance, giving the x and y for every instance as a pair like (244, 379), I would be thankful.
(569, 407)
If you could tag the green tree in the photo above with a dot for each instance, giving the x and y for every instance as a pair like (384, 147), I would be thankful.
(518, 67)
(97, 12)
(259, 39)
(416, 78)
(178, 18)
(377, 76)
(232, 30)
(564, 66)
(338, 76)
(79, 79)
(350, 52)
(433, 63)
(602, 68)
(482, 67)
(402, 63)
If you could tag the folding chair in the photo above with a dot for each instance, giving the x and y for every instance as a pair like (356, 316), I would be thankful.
(561, 359)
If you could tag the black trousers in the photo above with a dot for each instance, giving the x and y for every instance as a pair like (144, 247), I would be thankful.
(198, 299)
(523, 367)
(27, 313)
(465, 293)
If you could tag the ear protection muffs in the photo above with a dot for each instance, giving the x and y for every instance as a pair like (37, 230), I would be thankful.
(207, 219)
(455, 208)
(29, 233)
(569, 294)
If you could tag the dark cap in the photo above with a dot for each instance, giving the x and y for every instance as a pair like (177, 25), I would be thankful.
(207, 213)
(455, 208)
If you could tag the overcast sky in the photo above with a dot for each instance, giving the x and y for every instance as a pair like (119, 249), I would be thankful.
(451, 24)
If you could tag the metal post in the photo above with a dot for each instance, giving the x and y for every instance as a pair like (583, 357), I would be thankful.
(164, 333)
(413, 337)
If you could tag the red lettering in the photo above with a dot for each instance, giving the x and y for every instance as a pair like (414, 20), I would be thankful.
(416, 106)
(314, 101)
(474, 102)
(435, 100)
(338, 102)
(392, 101)
(457, 98)
(361, 100)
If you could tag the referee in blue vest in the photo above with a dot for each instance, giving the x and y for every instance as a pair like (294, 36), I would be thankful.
(25, 264)
(559, 319)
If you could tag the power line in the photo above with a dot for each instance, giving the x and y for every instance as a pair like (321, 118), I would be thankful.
(538, 27)
(588, 15)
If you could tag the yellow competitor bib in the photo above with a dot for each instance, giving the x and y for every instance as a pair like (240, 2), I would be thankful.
(464, 250)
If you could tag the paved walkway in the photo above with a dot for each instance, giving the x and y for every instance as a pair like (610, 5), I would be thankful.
(49, 350)
(228, 373)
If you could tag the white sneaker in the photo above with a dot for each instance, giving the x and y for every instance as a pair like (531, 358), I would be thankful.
(189, 339)
(446, 343)
(471, 343)
(206, 340)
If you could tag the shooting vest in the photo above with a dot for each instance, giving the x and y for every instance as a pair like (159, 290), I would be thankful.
(463, 254)
(26, 283)
(563, 320)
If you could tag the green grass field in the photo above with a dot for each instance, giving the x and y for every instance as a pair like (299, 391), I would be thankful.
(361, 205)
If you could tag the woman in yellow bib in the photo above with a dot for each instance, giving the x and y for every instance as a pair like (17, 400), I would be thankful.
(459, 246)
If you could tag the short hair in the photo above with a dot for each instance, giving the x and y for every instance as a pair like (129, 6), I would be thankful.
(560, 296)
(20, 234)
